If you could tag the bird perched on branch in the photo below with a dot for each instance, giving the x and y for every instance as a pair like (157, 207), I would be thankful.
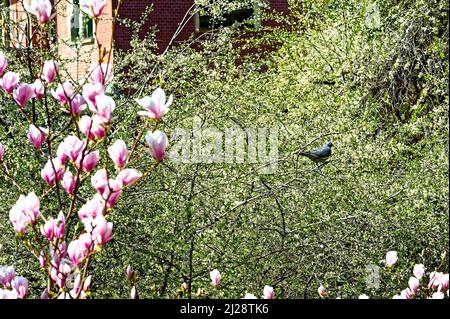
(320, 155)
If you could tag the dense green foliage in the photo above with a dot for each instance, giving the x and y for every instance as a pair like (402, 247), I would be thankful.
(379, 92)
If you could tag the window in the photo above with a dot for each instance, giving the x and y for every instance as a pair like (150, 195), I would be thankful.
(205, 22)
(81, 25)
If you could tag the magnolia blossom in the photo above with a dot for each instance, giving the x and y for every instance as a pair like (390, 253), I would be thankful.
(118, 153)
(112, 192)
(42, 9)
(363, 296)
(92, 127)
(155, 106)
(68, 182)
(3, 63)
(413, 284)
(100, 73)
(435, 279)
(89, 161)
(49, 71)
(105, 106)
(20, 285)
(63, 92)
(102, 231)
(438, 295)
(78, 251)
(268, 293)
(37, 135)
(73, 146)
(48, 172)
(38, 89)
(90, 92)
(100, 180)
(391, 258)
(129, 176)
(215, 277)
(93, 8)
(9, 81)
(130, 273)
(419, 271)
(91, 209)
(321, 291)
(77, 104)
(23, 93)
(157, 141)
(2, 152)
(7, 274)
(25, 212)
(249, 296)
(133, 293)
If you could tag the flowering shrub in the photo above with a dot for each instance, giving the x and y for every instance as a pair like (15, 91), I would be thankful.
(66, 240)
(436, 287)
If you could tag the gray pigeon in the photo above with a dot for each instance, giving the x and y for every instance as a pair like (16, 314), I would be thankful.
(319, 155)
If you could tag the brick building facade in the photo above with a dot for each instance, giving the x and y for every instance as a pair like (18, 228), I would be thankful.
(75, 35)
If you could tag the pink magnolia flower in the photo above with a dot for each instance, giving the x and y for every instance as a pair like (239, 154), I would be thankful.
(105, 105)
(89, 161)
(42, 259)
(90, 92)
(20, 285)
(77, 252)
(38, 89)
(23, 93)
(3, 63)
(112, 192)
(391, 258)
(63, 92)
(413, 284)
(100, 180)
(268, 293)
(419, 271)
(93, 8)
(129, 176)
(2, 152)
(435, 279)
(49, 71)
(92, 127)
(68, 182)
(61, 153)
(155, 106)
(48, 172)
(118, 153)
(100, 73)
(444, 282)
(249, 296)
(7, 274)
(44, 294)
(215, 277)
(73, 146)
(92, 208)
(102, 232)
(133, 293)
(321, 291)
(157, 141)
(24, 212)
(8, 294)
(60, 226)
(37, 135)
(48, 229)
(438, 295)
(9, 81)
(77, 104)
(42, 9)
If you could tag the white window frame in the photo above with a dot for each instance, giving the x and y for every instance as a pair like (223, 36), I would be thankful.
(70, 10)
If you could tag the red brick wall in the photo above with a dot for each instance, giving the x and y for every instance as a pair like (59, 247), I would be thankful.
(166, 15)
(88, 52)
